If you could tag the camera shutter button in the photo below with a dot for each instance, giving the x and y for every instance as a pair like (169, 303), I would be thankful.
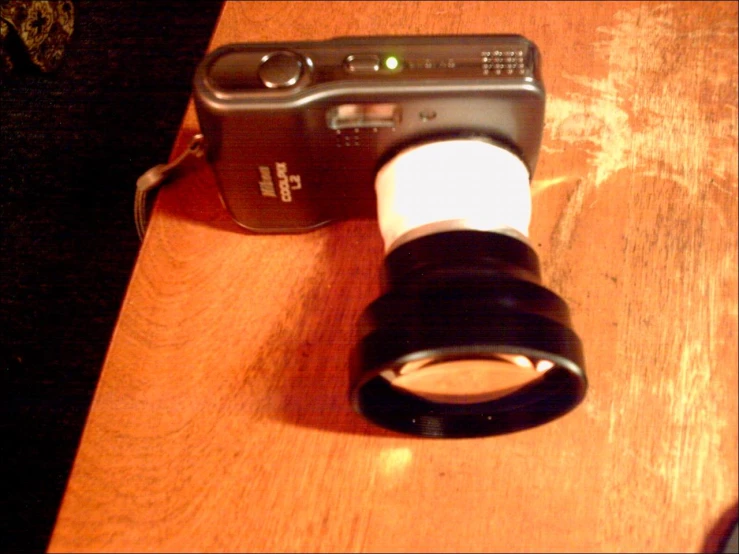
(281, 70)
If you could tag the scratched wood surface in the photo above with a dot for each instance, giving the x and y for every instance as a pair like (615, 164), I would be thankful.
(221, 421)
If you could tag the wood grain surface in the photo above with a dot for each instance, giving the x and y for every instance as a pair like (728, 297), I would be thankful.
(221, 420)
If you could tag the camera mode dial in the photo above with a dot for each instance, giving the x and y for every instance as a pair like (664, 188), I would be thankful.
(281, 69)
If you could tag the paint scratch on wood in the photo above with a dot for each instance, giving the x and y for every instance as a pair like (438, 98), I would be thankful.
(647, 115)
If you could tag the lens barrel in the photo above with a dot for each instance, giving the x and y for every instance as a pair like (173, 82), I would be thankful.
(465, 295)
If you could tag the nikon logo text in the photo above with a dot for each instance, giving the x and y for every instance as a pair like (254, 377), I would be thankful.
(266, 184)
(286, 184)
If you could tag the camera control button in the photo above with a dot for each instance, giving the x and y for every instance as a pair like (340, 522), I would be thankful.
(362, 63)
(281, 69)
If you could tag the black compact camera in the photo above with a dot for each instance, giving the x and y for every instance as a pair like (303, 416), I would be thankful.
(437, 137)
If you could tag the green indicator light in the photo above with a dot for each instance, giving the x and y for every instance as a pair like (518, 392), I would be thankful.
(391, 62)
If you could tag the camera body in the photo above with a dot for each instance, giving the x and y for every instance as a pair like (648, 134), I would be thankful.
(296, 132)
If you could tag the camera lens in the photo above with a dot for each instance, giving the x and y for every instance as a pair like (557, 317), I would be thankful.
(465, 341)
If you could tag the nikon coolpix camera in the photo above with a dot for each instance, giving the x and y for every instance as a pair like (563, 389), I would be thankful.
(437, 137)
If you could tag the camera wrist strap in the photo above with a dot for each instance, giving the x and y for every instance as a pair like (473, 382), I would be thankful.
(155, 177)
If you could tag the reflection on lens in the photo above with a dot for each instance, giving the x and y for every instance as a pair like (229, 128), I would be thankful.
(466, 381)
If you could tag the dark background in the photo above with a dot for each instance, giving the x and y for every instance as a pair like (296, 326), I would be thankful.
(72, 144)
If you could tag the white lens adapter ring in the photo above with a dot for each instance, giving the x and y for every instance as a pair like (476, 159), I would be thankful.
(470, 184)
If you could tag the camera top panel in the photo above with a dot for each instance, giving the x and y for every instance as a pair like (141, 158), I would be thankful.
(270, 71)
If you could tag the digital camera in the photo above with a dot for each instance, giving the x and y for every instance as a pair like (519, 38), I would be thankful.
(437, 137)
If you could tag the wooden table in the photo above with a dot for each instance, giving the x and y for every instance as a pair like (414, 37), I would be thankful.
(221, 420)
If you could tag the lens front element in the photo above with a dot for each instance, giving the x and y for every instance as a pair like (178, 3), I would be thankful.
(466, 380)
